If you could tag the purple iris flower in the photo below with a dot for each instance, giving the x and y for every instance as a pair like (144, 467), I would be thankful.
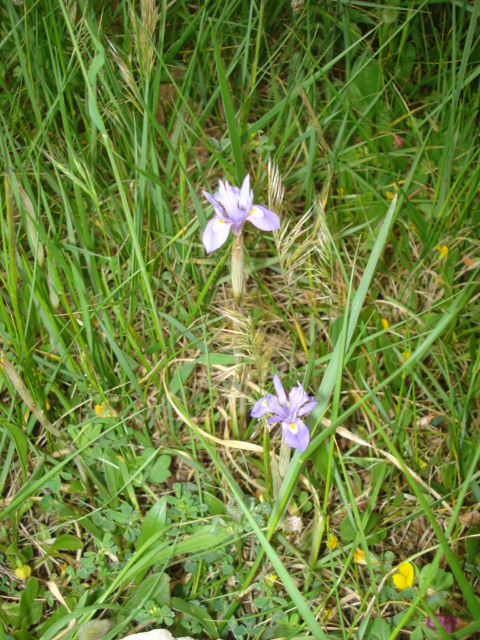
(288, 412)
(233, 207)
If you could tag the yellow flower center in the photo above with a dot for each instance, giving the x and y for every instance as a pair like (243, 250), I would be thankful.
(293, 428)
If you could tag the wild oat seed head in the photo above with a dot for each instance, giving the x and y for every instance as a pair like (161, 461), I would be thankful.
(305, 249)
(123, 68)
(276, 189)
(144, 30)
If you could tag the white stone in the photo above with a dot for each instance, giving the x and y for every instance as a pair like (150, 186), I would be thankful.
(156, 634)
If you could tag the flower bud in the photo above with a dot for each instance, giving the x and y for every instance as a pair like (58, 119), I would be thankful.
(94, 629)
(398, 141)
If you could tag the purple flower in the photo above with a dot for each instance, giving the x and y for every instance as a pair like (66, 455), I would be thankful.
(233, 207)
(288, 412)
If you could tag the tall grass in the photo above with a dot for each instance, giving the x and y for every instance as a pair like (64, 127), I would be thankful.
(130, 491)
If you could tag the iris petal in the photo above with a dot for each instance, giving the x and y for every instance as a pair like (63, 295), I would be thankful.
(298, 440)
(245, 197)
(263, 218)
(281, 395)
(307, 407)
(215, 234)
(260, 408)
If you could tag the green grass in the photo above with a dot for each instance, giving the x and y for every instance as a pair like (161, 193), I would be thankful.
(133, 488)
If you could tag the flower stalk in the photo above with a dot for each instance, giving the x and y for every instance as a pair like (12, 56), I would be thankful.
(238, 270)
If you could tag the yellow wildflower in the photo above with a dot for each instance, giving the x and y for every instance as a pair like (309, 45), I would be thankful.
(403, 579)
(99, 409)
(23, 572)
(270, 578)
(385, 324)
(332, 542)
(406, 355)
(104, 411)
(359, 556)
(442, 250)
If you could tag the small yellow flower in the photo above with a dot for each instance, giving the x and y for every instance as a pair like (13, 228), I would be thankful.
(403, 579)
(442, 250)
(406, 355)
(359, 556)
(327, 614)
(47, 404)
(385, 324)
(270, 579)
(104, 411)
(99, 409)
(332, 542)
(23, 572)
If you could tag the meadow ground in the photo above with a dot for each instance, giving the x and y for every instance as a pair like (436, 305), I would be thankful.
(136, 488)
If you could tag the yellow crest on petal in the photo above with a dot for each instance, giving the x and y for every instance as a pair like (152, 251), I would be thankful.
(403, 579)
(293, 428)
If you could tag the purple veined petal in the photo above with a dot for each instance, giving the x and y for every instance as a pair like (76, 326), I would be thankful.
(296, 398)
(276, 408)
(296, 434)
(281, 395)
(275, 418)
(217, 206)
(307, 407)
(227, 196)
(215, 234)
(263, 218)
(260, 408)
(237, 216)
(245, 197)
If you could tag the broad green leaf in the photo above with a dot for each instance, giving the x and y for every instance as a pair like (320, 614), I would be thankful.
(21, 445)
(154, 521)
(197, 613)
(155, 587)
(160, 470)
(66, 541)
